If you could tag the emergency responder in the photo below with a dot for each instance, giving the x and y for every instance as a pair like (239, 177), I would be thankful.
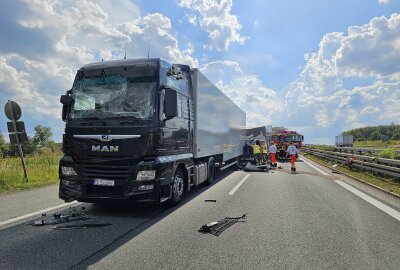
(264, 152)
(292, 152)
(257, 152)
(272, 152)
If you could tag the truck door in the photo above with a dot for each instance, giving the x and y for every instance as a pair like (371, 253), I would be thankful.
(182, 136)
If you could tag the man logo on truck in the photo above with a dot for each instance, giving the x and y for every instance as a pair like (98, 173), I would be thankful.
(105, 148)
(105, 138)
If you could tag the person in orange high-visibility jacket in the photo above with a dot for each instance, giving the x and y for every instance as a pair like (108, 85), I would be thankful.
(293, 153)
(272, 152)
(257, 152)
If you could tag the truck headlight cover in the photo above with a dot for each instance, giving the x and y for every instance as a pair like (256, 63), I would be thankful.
(146, 175)
(69, 171)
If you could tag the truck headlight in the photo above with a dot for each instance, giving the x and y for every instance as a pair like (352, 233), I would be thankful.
(146, 175)
(68, 171)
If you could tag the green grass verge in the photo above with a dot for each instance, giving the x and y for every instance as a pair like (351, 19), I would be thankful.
(42, 170)
(389, 184)
(377, 144)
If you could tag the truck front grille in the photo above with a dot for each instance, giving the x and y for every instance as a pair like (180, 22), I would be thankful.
(106, 170)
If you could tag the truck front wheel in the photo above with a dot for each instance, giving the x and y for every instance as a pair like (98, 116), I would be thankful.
(178, 186)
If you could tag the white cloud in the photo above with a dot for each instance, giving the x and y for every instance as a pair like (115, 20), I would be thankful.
(371, 50)
(191, 18)
(384, 1)
(246, 90)
(216, 19)
(157, 30)
(367, 55)
(75, 33)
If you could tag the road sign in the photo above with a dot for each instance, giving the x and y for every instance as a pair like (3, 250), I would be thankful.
(12, 110)
(19, 124)
(16, 129)
(22, 137)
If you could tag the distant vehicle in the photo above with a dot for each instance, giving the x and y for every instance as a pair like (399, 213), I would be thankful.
(145, 130)
(343, 140)
(281, 136)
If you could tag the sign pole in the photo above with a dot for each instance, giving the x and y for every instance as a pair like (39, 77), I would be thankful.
(21, 153)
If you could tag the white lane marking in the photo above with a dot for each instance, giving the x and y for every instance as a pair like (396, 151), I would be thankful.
(12, 220)
(238, 185)
(388, 210)
(315, 167)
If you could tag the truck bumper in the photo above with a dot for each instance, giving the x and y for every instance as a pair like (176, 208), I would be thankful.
(128, 190)
(81, 193)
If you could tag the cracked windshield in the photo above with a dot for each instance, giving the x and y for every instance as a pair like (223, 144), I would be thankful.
(113, 95)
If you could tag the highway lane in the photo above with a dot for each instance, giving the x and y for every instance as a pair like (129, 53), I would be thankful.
(301, 221)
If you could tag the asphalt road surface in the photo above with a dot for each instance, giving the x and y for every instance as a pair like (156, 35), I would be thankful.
(310, 220)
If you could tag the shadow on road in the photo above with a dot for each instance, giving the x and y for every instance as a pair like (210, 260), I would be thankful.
(29, 247)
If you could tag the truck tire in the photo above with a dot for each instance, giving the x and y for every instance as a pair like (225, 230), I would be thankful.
(178, 186)
(210, 171)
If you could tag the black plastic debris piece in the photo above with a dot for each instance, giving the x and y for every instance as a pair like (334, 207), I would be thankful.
(58, 218)
(218, 227)
(210, 200)
(256, 168)
(80, 226)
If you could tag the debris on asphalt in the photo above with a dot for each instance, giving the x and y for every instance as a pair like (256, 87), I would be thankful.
(58, 218)
(259, 168)
(334, 169)
(218, 227)
(210, 200)
(80, 226)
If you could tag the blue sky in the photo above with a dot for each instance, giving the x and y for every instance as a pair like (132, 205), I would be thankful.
(316, 66)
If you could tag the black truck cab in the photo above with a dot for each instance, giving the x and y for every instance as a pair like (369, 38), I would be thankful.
(128, 133)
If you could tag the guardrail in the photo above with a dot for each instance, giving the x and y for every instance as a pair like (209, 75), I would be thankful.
(361, 150)
(390, 167)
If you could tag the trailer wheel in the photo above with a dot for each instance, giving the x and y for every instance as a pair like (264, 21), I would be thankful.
(178, 186)
(210, 171)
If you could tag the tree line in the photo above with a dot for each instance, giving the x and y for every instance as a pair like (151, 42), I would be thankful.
(41, 140)
(375, 133)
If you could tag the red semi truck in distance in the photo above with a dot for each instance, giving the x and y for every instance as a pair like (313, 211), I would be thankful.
(282, 137)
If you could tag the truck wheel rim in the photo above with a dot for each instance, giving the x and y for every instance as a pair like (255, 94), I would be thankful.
(178, 186)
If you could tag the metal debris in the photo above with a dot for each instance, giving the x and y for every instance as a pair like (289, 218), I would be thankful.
(80, 226)
(210, 200)
(58, 218)
(217, 227)
(334, 169)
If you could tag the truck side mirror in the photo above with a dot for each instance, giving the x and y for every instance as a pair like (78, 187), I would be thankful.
(65, 100)
(170, 103)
